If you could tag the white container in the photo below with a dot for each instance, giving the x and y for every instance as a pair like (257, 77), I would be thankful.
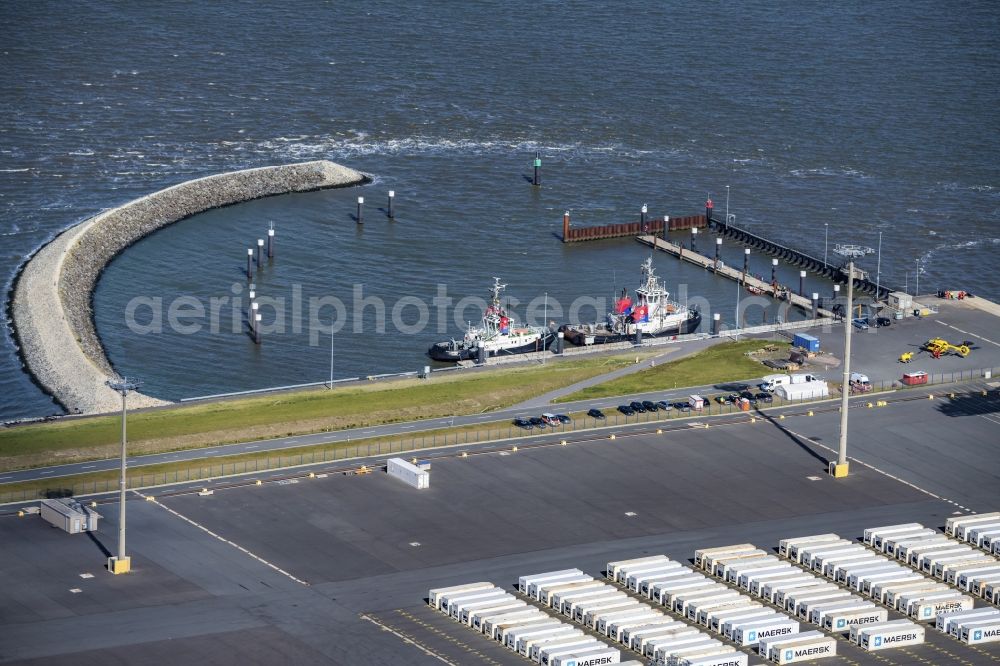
(928, 609)
(726, 624)
(628, 575)
(792, 652)
(596, 657)
(594, 615)
(612, 569)
(408, 473)
(434, 596)
(550, 595)
(719, 564)
(526, 584)
(842, 622)
(918, 552)
(949, 622)
(785, 596)
(953, 554)
(492, 625)
(696, 652)
(892, 541)
(819, 560)
(980, 632)
(683, 604)
(529, 640)
(837, 569)
(925, 586)
(741, 574)
(702, 553)
(807, 555)
(951, 525)
(943, 566)
(541, 653)
(724, 659)
(802, 606)
(979, 583)
(873, 535)
(905, 546)
(875, 638)
(460, 610)
(819, 613)
(639, 643)
(666, 645)
(604, 620)
(877, 589)
(659, 624)
(751, 633)
(581, 609)
(789, 547)
(890, 625)
(854, 577)
(707, 612)
(517, 635)
(667, 595)
(635, 579)
(714, 619)
(616, 630)
(569, 603)
(499, 631)
(772, 588)
(646, 587)
(724, 566)
(962, 577)
(666, 652)
(473, 615)
(446, 600)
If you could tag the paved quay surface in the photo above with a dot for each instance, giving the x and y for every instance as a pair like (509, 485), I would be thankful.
(320, 570)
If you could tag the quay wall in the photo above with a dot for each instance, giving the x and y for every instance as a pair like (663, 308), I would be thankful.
(52, 300)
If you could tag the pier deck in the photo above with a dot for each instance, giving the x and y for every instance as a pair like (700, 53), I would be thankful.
(731, 273)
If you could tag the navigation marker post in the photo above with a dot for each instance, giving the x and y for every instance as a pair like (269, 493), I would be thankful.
(536, 180)
(121, 563)
(260, 253)
(390, 212)
(270, 241)
(361, 204)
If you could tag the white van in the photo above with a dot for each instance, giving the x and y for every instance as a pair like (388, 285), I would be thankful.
(771, 382)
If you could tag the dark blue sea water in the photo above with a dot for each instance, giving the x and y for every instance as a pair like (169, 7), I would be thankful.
(839, 120)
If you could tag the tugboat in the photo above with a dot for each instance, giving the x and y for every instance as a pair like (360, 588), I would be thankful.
(652, 313)
(498, 334)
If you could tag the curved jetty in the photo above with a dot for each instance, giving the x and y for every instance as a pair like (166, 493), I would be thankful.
(51, 303)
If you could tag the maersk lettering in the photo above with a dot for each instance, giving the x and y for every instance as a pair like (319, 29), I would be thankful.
(899, 637)
(813, 650)
(987, 633)
(870, 619)
(777, 631)
(596, 661)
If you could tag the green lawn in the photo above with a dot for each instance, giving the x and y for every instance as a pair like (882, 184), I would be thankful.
(298, 412)
(723, 362)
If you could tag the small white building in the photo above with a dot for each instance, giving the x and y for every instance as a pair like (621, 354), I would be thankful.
(70, 515)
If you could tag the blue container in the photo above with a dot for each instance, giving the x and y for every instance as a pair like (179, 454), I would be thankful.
(806, 341)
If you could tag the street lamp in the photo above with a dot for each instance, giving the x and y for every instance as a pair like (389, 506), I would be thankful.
(122, 563)
(840, 468)
(727, 205)
(826, 240)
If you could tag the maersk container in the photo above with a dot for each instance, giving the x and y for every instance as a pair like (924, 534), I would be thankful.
(635, 578)
(500, 631)
(724, 567)
(854, 576)
(889, 625)
(764, 646)
(581, 609)
(872, 535)
(525, 583)
(979, 583)
(667, 595)
(408, 473)
(917, 554)
(517, 637)
(674, 643)
(476, 612)
(714, 620)
(819, 613)
(788, 547)
(981, 632)
(842, 622)
(727, 625)
(639, 643)
(596, 657)
(924, 586)
(905, 548)
(944, 565)
(696, 651)
(805, 609)
(957, 551)
(460, 610)
(892, 541)
(718, 564)
(449, 599)
(434, 596)
(792, 652)
(955, 522)
(875, 638)
(612, 569)
(647, 585)
(606, 619)
(534, 645)
(725, 659)
(949, 622)
(662, 623)
(751, 633)
(785, 596)
(837, 569)
(963, 576)
(544, 654)
(772, 588)
(801, 605)
(495, 627)
(707, 612)
(594, 615)
(877, 589)
(702, 553)
(570, 602)
(616, 630)
(904, 600)
(928, 608)
(551, 596)
(625, 574)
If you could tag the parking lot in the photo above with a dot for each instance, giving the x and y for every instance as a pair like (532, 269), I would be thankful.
(334, 570)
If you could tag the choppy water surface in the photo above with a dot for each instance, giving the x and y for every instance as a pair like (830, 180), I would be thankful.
(866, 119)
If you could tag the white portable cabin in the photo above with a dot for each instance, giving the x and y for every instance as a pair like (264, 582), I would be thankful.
(702, 553)
(525, 583)
(434, 596)
(612, 570)
(69, 515)
(408, 473)
(789, 547)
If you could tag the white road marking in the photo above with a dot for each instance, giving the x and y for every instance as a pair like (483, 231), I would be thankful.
(405, 639)
(221, 538)
(5, 477)
(47, 471)
(90, 467)
(250, 446)
(969, 333)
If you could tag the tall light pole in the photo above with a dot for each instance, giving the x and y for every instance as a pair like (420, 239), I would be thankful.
(121, 563)
(727, 205)
(916, 288)
(841, 467)
(331, 353)
(826, 240)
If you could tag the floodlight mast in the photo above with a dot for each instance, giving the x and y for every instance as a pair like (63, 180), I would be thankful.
(851, 252)
(122, 563)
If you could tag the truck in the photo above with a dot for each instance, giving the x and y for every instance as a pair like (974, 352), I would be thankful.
(808, 391)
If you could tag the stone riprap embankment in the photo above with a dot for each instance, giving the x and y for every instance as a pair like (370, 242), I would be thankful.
(52, 297)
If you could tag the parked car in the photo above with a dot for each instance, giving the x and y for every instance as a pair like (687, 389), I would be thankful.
(764, 396)
(563, 418)
(596, 414)
(664, 405)
(626, 410)
(649, 405)
(637, 407)
(722, 399)
(882, 322)
(749, 397)
(537, 422)
(523, 423)
(861, 323)
(550, 419)
(682, 406)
